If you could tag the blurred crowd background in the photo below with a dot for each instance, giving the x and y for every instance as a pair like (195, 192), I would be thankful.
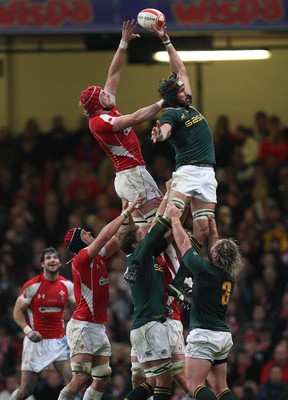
(51, 181)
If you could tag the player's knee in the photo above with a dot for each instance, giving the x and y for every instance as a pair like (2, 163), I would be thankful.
(179, 203)
(202, 215)
(158, 369)
(101, 372)
(177, 367)
(81, 368)
(136, 370)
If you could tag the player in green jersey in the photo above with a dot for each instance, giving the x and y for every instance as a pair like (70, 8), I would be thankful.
(149, 334)
(210, 339)
(193, 181)
(189, 134)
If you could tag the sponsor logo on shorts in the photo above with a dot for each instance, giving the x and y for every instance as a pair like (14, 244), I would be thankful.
(49, 309)
(163, 352)
(148, 353)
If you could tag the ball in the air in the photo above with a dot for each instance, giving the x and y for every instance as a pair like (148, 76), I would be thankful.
(151, 18)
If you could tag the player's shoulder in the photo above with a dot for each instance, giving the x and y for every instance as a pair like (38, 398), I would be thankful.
(37, 279)
(64, 280)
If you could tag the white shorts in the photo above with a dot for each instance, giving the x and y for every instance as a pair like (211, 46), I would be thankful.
(208, 345)
(134, 182)
(38, 356)
(151, 342)
(175, 336)
(87, 338)
(198, 182)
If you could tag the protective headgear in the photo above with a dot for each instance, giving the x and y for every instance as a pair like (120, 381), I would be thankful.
(73, 240)
(169, 89)
(90, 99)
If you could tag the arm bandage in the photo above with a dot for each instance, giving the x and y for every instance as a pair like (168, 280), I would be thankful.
(160, 135)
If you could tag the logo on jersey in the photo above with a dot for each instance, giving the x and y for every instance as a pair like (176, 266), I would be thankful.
(44, 309)
(103, 281)
(126, 131)
(41, 296)
(158, 267)
(194, 120)
(62, 294)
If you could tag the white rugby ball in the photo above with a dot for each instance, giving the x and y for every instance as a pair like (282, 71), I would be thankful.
(150, 17)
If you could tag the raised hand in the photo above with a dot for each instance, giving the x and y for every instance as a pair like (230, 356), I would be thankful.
(157, 134)
(128, 29)
(161, 33)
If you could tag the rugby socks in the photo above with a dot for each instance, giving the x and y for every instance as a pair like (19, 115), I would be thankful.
(66, 394)
(204, 393)
(91, 394)
(162, 393)
(141, 392)
(226, 395)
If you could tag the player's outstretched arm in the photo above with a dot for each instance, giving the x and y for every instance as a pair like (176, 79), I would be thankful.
(139, 116)
(119, 58)
(176, 64)
(111, 229)
(180, 235)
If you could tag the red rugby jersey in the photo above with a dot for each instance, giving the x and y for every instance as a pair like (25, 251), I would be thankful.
(122, 147)
(91, 288)
(47, 301)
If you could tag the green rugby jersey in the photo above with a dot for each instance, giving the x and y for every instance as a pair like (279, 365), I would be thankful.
(191, 136)
(148, 289)
(211, 293)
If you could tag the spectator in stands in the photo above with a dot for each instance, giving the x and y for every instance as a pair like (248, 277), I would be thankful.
(7, 147)
(280, 358)
(273, 150)
(224, 140)
(260, 125)
(275, 387)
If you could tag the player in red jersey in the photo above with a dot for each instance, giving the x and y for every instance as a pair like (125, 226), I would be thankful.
(113, 132)
(43, 300)
(89, 344)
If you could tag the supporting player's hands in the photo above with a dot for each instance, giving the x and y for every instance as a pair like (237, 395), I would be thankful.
(212, 227)
(134, 204)
(34, 336)
(128, 29)
(172, 211)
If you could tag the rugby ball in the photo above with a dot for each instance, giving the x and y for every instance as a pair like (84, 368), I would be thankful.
(151, 18)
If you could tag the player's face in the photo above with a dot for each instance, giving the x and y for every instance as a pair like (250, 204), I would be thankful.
(106, 100)
(87, 237)
(51, 263)
(181, 94)
(213, 253)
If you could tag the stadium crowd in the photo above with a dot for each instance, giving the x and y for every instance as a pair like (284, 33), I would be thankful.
(52, 181)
